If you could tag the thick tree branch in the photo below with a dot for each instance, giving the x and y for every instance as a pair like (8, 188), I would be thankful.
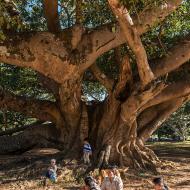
(40, 109)
(133, 40)
(42, 52)
(134, 104)
(172, 91)
(45, 53)
(19, 129)
(163, 112)
(51, 15)
(39, 135)
(177, 56)
(110, 36)
(102, 78)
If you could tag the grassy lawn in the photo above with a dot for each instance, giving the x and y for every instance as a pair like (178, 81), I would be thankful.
(176, 173)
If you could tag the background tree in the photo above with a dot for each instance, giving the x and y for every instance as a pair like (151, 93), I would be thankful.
(112, 70)
(177, 126)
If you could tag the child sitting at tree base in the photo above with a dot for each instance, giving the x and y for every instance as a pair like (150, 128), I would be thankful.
(52, 172)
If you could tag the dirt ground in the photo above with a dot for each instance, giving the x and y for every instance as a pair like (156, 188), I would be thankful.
(23, 172)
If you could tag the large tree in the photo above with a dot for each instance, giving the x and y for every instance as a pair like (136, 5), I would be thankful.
(138, 97)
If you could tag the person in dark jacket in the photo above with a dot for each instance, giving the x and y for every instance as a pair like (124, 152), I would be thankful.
(159, 184)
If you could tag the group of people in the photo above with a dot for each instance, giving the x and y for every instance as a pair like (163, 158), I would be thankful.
(109, 178)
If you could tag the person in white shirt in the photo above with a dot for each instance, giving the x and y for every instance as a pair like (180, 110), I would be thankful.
(112, 182)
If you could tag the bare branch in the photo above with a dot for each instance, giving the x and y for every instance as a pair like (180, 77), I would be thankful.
(133, 40)
(104, 80)
(41, 109)
(51, 15)
(177, 56)
(172, 91)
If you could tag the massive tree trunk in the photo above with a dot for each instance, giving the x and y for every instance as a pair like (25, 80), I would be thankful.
(117, 131)
(119, 126)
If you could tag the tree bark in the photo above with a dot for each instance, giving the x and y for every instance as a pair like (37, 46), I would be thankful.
(51, 15)
(37, 136)
(117, 127)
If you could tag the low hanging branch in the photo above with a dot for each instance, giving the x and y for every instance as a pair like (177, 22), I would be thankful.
(41, 109)
(155, 96)
(51, 15)
(133, 39)
(164, 111)
(19, 129)
(102, 78)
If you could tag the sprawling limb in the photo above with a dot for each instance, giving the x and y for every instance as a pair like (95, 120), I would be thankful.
(177, 56)
(163, 112)
(39, 135)
(51, 15)
(172, 91)
(43, 110)
(105, 39)
(19, 129)
(133, 105)
(133, 39)
(42, 52)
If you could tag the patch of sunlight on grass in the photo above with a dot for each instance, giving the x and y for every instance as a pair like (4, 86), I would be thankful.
(169, 144)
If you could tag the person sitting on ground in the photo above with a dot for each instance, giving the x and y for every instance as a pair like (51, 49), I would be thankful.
(87, 151)
(112, 182)
(90, 184)
(52, 171)
(102, 175)
(116, 171)
(159, 184)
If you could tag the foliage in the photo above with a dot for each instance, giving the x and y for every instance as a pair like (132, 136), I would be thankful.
(23, 82)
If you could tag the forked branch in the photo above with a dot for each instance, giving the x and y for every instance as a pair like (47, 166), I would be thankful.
(133, 39)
